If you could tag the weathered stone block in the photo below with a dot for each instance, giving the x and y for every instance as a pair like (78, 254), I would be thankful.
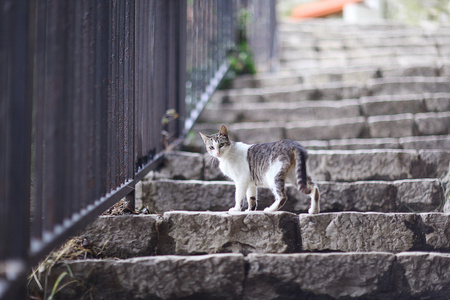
(391, 105)
(425, 142)
(434, 163)
(427, 275)
(217, 276)
(358, 144)
(409, 85)
(433, 123)
(259, 132)
(437, 230)
(208, 232)
(382, 196)
(311, 276)
(378, 164)
(437, 102)
(181, 165)
(359, 232)
(124, 236)
(325, 130)
(391, 126)
(165, 195)
(418, 195)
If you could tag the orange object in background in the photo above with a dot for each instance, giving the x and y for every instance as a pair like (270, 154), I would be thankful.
(320, 8)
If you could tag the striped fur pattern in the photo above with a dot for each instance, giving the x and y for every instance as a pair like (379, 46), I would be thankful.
(268, 165)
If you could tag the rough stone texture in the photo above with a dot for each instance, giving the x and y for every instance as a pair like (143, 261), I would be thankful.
(284, 112)
(437, 230)
(391, 105)
(427, 275)
(412, 142)
(310, 276)
(418, 195)
(409, 85)
(259, 132)
(359, 232)
(324, 130)
(436, 163)
(338, 165)
(181, 165)
(207, 232)
(391, 126)
(433, 123)
(398, 196)
(193, 195)
(124, 236)
(425, 142)
(438, 102)
(217, 276)
(446, 190)
(374, 275)
(378, 164)
(356, 144)
(328, 91)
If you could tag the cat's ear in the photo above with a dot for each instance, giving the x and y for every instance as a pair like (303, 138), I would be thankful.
(204, 137)
(223, 131)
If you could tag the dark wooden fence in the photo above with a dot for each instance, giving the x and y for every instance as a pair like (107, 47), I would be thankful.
(92, 93)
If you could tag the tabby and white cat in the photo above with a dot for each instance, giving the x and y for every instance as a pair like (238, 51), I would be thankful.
(262, 165)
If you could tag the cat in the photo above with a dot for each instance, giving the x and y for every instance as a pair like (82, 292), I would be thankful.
(262, 165)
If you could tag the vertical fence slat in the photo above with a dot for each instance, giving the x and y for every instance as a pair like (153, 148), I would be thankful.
(15, 107)
(94, 84)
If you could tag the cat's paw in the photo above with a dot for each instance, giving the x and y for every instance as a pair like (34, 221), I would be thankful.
(269, 209)
(234, 209)
(313, 211)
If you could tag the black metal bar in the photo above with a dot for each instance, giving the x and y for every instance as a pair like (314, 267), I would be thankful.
(16, 141)
(99, 76)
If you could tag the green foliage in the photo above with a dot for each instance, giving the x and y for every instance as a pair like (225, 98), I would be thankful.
(240, 57)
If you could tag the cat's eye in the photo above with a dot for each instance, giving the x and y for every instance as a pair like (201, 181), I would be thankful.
(211, 148)
(221, 145)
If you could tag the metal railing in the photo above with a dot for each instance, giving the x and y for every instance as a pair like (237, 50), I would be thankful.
(92, 93)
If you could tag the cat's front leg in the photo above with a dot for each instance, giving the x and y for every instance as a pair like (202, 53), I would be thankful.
(239, 197)
(251, 198)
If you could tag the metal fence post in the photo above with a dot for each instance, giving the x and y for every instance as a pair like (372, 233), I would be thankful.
(15, 135)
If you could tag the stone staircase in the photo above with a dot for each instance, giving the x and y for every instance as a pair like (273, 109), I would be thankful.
(372, 105)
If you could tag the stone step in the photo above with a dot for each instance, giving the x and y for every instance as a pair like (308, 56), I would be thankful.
(405, 60)
(412, 195)
(219, 113)
(338, 90)
(293, 54)
(385, 126)
(375, 275)
(329, 165)
(327, 37)
(338, 25)
(394, 45)
(194, 233)
(347, 74)
(331, 28)
(414, 142)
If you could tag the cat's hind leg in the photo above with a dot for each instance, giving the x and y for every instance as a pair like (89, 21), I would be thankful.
(251, 198)
(315, 200)
(278, 189)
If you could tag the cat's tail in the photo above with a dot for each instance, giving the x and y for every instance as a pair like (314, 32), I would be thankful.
(301, 155)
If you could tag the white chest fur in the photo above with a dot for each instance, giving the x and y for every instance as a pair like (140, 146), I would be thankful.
(234, 162)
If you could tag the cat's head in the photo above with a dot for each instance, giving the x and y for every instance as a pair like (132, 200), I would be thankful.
(217, 144)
